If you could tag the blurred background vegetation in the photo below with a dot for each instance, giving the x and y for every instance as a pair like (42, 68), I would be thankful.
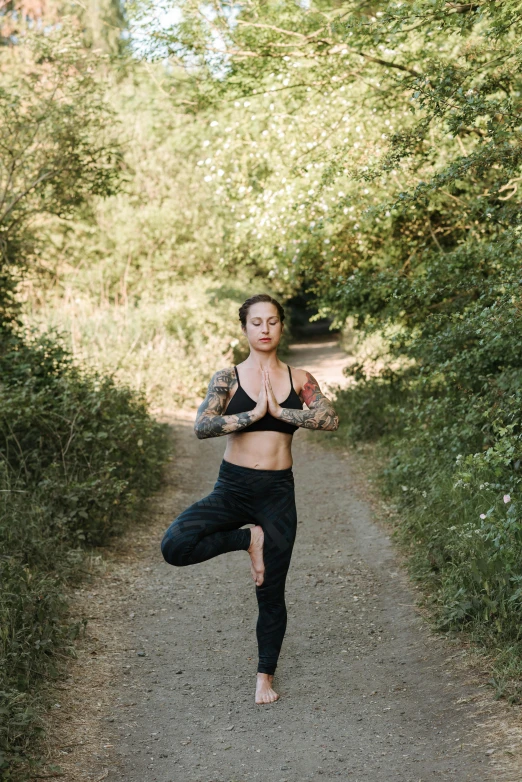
(160, 161)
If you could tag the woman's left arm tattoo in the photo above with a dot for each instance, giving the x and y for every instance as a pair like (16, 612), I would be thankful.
(320, 415)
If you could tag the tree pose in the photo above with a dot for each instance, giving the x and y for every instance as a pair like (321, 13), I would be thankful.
(255, 484)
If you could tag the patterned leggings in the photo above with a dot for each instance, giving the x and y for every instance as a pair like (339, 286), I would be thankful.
(211, 526)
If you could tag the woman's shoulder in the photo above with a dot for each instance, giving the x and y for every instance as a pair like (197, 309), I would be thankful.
(305, 383)
(224, 377)
(300, 377)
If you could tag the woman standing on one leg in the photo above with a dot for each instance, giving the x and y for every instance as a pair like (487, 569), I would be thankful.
(255, 483)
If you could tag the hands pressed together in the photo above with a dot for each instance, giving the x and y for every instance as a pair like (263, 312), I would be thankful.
(266, 400)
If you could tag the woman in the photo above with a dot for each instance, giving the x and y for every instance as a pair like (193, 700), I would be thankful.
(255, 483)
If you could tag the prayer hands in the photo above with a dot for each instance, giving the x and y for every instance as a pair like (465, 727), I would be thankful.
(274, 408)
(262, 401)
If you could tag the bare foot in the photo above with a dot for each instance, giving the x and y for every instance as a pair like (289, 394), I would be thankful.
(264, 691)
(257, 566)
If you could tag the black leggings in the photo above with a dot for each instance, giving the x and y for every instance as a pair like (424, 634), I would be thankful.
(211, 526)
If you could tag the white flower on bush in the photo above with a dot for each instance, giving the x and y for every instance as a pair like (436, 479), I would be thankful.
(482, 515)
(507, 498)
(460, 484)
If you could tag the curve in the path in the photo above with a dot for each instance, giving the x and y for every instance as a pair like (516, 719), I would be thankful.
(323, 357)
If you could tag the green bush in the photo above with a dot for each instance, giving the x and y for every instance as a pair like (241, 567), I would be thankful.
(78, 454)
(453, 474)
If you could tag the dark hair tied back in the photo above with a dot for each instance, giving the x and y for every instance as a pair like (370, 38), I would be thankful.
(243, 310)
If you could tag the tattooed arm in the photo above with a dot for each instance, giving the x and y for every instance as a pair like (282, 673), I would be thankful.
(210, 422)
(320, 413)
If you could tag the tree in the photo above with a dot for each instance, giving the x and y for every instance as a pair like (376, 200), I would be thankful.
(58, 147)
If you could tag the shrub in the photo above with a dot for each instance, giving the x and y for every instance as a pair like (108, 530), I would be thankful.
(78, 454)
(453, 472)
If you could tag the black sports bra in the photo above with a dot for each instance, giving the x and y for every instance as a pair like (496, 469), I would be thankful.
(241, 403)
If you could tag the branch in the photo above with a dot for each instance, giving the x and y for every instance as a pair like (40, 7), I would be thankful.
(312, 38)
(387, 64)
(462, 8)
(433, 236)
(513, 185)
(25, 192)
(283, 31)
(437, 305)
(19, 156)
(275, 29)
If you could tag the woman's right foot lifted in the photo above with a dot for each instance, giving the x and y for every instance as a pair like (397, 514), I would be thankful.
(257, 566)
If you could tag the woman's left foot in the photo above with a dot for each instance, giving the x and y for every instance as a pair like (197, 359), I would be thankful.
(264, 691)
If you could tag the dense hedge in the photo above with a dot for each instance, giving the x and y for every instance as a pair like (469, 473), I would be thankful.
(453, 470)
(77, 456)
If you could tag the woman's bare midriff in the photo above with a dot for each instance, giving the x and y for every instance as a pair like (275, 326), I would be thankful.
(260, 450)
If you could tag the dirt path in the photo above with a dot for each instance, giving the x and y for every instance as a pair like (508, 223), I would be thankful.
(163, 691)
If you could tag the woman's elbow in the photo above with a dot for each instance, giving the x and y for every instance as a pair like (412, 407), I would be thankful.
(199, 431)
(334, 424)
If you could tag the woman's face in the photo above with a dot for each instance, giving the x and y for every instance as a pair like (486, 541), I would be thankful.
(263, 326)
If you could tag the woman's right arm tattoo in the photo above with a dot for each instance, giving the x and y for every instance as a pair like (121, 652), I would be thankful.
(210, 421)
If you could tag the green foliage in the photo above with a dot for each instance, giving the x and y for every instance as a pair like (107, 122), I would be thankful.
(370, 143)
(57, 147)
(147, 283)
(164, 225)
(453, 473)
(78, 454)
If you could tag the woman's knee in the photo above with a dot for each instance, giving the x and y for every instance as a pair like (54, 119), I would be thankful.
(174, 549)
(271, 595)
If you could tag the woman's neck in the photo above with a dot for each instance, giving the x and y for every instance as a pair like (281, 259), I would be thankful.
(263, 360)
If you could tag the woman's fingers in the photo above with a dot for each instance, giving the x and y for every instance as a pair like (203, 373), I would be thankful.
(272, 402)
(263, 397)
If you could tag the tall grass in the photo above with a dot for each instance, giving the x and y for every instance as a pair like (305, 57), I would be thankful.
(166, 343)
